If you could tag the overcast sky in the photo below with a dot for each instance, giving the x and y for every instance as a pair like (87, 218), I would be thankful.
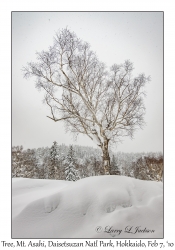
(115, 37)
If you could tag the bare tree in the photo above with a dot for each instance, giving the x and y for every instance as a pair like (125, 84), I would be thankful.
(104, 105)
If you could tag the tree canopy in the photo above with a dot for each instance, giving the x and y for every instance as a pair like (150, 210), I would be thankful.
(105, 104)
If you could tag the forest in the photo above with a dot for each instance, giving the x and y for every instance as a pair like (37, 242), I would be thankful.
(73, 162)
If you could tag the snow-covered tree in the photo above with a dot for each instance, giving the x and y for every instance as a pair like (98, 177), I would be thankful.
(30, 164)
(35, 163)
(148, 167)
(114, 169)
(97, 165)
(17, 161)
(53, 172)
(106, 105)
(46, 161)
(41, 173)
(71, 172)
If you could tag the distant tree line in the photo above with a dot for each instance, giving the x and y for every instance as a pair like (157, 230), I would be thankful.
(71, 163)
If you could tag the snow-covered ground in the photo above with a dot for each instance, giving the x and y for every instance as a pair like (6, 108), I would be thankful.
(94, 207)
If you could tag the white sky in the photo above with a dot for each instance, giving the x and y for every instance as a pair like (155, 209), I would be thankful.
(115, 37)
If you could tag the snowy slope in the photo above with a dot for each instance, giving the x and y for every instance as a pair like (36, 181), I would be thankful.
(94, 207)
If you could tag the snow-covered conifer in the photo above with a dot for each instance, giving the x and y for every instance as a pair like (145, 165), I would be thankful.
(70, 166)
(114, 169)
(53, 166)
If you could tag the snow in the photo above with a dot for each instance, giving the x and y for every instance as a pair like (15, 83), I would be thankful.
(93, 207)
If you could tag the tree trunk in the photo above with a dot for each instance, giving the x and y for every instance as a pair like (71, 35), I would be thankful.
(106, 158)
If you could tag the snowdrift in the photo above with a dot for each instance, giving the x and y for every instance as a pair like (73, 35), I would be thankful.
(94, 207)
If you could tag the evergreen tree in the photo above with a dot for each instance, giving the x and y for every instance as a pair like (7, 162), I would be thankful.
(70, 166)
(114, 169)
(61, 159)
(53, 166)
